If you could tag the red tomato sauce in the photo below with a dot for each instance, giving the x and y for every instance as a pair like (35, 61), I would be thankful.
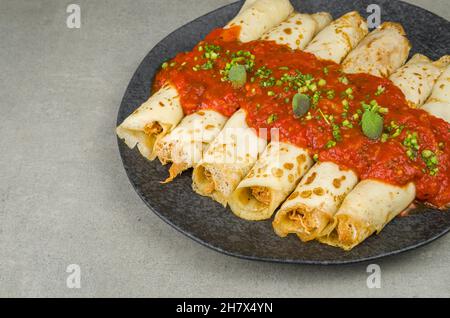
(331, 130)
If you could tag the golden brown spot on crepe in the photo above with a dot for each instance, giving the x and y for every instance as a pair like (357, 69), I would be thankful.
(306, 194)
(337, 183)
(291, 177)
(277, 172)
(262, 194)
(311, 178)
(293, 195)
(208, 127)
(319, 191)
(161, 104)
(301, 159)
(201, 113)
(288, 31)
(288, 166)
(299, 22)
(251, 174)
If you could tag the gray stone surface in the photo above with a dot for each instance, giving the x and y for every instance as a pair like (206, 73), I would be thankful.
(65, 198)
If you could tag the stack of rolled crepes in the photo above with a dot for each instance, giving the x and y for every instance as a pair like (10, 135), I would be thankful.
(326, 205)
(185, 145)
(234, 165)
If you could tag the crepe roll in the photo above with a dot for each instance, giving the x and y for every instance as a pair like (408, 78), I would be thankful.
(151, 121)
(259, 16)
(184, 146)
(270, 181)
(311, 207)
(380, 53)
(439, 102)
(417, 78)
(336, 40)
(228, 159)
(367, 209)
(298, 30)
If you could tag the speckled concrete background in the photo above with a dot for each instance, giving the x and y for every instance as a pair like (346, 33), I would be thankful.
(65, 198)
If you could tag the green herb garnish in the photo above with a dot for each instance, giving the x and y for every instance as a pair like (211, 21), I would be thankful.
(237, 75)
(300, 104)
(372, 124)
(272, 118)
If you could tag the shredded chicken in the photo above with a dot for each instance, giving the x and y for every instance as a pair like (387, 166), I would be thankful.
(262, 194)
(347, 233)
(307, 223)
(153, 129)
(209, 187)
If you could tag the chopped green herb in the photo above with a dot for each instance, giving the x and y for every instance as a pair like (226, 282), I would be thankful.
(343, 80)
(380, 90)
(208, 65)
(431, 160)
(331, 94)
(412, 145)
(165, 65)
(336, 132)
(272, 118)
(346, 123)
(330, 144)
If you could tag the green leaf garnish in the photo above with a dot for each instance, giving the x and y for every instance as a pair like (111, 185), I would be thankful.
(372, 124)
(237, 75)
(300, 104)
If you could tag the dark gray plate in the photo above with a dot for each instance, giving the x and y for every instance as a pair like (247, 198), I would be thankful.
(210, 224)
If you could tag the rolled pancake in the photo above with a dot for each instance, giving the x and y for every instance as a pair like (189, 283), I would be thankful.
(259, 16)
(336, 40)
(151, 121)
(380, 53)
(298, 30)
(228, 159)
(310, 208)
(185, 145)
(367, 209)
(417, 78)
(439, 102)
(270, 181)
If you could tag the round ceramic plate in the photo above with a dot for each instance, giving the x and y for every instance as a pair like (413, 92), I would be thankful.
(210, 224)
